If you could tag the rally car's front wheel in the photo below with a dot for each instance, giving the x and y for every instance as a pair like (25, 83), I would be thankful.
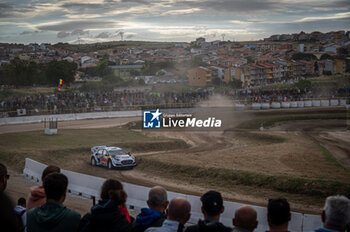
(93, 162)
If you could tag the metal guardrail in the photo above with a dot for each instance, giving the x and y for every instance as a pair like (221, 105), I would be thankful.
(89, 186)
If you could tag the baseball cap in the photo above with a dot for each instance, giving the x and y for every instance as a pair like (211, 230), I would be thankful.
(212, 202)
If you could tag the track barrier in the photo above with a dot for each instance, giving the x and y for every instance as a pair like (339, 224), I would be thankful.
(89, 187)
(138, 113)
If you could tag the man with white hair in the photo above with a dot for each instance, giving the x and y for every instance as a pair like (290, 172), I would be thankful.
(335, 214)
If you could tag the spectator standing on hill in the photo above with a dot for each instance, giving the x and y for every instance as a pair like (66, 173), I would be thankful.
(336, 214)
(178, 212)
(245, 219)
(278, 215)
(212, 208)
(37, 196)
(53, 216)
(153, 216)
(106, 215)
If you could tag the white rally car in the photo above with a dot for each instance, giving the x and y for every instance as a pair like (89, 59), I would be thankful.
(111, 157)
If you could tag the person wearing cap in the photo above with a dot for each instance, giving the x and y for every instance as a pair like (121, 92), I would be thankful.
(212, 208)
(278, 215)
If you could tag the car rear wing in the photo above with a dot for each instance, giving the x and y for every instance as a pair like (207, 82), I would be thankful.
(95, 148)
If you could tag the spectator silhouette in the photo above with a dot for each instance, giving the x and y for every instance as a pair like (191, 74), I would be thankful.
(4, 176)
(278, 215)
(212, 208)
(178, 212)
(106, 216)
(245, 219)
(153, 216)
(53, 216)
(8, 218)
(20, 210)
(37, 196)
(336, 214)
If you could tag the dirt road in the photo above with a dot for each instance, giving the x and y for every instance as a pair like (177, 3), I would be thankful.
(200, 143)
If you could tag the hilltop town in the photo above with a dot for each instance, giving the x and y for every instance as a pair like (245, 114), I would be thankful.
(278, 59)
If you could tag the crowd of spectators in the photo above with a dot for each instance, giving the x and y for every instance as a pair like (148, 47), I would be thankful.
(294, 94)
(111, 213)
(78, 102)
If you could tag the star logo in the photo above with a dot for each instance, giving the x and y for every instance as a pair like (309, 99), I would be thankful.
(152, 119)
(156, 115)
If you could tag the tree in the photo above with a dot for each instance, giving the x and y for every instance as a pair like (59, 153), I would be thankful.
(60, 70)
(303, 84)
(102, 68)
(303, 56)
(19, 73)
(236, 84)
(326, 57)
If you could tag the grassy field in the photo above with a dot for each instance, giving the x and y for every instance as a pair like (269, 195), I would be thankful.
(76, 143)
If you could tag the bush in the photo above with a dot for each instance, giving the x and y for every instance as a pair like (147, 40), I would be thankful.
(303, 84)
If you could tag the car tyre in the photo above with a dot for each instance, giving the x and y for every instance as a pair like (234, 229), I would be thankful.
(109, 164)
(93, 162)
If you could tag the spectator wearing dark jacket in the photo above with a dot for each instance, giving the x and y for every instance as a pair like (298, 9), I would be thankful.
(153, 216)
(53, 216)
(212, 208)
(8, 218)
(106, 216)
(37, 196)
(4, 176)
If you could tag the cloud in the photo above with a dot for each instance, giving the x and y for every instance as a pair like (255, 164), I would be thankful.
(79, 24)
(103, 35)
(29, 32)
(181, 12)
(328, 17)
(79, 32)
(6, 10)
(240, 22)
(233, 6)
(62, 34)
(130, 36)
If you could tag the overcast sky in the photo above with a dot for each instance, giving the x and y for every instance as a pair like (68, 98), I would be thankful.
(29, 21)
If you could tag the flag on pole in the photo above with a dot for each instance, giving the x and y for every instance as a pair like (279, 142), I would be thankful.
(60, 82)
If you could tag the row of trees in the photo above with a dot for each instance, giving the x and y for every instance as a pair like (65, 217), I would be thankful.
(28, 73)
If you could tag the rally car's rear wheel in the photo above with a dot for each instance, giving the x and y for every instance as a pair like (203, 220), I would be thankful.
(93, 162)
(109, 164)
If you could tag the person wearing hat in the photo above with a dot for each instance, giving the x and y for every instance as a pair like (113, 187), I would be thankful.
(212, 208)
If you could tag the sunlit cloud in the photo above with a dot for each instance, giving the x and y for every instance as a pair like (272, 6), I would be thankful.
(330, 17)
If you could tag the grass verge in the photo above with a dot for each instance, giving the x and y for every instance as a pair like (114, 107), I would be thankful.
(270, 122)
(255, 137)
(227, 177)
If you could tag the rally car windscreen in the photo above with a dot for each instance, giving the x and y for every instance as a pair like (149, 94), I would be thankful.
(117, 152)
